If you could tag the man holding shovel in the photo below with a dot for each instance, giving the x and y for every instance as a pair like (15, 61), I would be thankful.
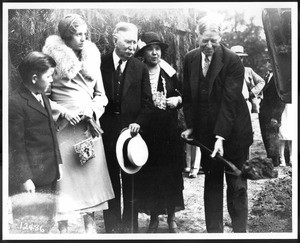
(217, 116)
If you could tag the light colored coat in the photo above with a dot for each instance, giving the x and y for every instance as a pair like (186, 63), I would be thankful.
(254, 83)
(78, 87)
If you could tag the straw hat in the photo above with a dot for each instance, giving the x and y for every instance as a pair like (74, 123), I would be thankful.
(132, 152)
(239, 50)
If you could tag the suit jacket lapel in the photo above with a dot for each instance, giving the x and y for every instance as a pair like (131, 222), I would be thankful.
(47, 105)
(108, 74)
(195, 73)
(215, 67)
(129, 74)
(31, 100)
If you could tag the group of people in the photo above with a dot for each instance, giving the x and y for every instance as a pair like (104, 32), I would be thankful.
(262, 97)
(72, 95)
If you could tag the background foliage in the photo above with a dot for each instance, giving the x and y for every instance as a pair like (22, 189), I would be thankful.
(28, 29)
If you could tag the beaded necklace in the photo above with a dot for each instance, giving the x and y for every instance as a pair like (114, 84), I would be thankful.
(159, 97)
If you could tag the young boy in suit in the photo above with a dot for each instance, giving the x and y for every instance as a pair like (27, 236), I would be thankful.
(34, 156)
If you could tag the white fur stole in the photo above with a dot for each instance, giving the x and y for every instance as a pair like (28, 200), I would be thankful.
(68, 64)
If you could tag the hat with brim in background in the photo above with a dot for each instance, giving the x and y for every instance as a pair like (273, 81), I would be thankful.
(239, 50)
(132, 152)
(147, 39)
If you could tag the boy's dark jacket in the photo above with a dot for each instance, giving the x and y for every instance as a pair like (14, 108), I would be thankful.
(33, 147)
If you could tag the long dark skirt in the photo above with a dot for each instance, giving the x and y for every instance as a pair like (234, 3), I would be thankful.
(159, 184)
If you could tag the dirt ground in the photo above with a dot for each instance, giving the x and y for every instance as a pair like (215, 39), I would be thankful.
(190, 220)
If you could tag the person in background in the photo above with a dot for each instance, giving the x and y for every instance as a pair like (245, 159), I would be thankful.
(34, 157)
(285, 136)
(217, 116)
(159, 183)
(126, 83)
(193, 160)
(253, 83)
(78, 101)
(271, 109)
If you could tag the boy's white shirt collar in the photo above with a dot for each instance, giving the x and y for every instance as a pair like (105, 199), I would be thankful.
(38, 97)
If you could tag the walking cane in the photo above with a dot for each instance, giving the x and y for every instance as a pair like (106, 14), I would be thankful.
(233, 169)
(132, 204)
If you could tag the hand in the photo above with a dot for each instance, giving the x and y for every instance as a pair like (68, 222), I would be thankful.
(72, 117)
(60, 172)
(28, 186)
(218, 148)
(274, 123)
(173, 102)
(94, 128)
(187, 134)
(134, 129)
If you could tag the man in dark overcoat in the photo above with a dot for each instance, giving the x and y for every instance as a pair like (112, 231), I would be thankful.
(216, 115)
(271, 109)
(127, 87)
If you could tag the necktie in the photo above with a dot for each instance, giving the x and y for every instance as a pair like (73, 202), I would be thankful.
(267, 77)
(206, 65)
(117, 85)
(119, 72)
(40, 99)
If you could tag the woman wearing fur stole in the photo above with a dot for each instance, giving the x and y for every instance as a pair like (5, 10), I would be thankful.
(78, 101)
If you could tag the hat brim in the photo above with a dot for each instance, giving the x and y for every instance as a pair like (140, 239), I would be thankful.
(124, 136)
(162, 45)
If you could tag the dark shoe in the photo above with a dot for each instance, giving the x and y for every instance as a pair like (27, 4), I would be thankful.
(173, 227)
(191, 175)
(276, 161)
(153, 226)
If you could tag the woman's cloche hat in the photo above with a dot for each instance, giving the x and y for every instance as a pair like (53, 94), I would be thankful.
(147, 39)
(132, 152)
(239, 50)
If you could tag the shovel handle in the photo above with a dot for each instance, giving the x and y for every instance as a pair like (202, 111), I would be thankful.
(235, 170)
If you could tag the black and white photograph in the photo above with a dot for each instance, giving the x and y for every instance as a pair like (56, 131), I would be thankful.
(150, 121)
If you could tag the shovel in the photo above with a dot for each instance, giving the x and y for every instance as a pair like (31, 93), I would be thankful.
(254, 169)
(233, 169)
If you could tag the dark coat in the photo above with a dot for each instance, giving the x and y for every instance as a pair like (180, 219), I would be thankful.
(159, 184)
(228, 112)
(136, 107)
(34, 152)
(136, 101)
(271, 105)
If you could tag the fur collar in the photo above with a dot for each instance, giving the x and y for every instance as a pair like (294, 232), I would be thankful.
(68, 64)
